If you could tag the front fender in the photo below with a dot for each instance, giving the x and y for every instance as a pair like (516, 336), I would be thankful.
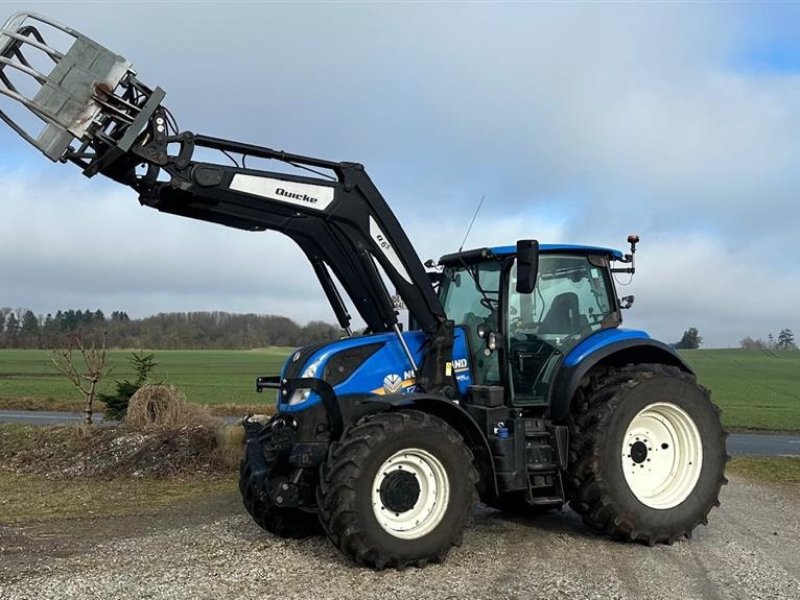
(628, 347)
(457, 418)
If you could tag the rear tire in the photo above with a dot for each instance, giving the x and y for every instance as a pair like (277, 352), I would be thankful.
(647, 454)
(398, 489)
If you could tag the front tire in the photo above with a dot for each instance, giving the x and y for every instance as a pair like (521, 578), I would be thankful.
(398, 489)
(647, 454)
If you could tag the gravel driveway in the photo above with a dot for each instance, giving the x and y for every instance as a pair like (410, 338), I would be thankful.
(751, 549)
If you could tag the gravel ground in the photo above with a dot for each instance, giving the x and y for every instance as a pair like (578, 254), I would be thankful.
(751, 549)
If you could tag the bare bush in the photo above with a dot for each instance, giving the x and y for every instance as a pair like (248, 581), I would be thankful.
(84, 377)
(165, 406)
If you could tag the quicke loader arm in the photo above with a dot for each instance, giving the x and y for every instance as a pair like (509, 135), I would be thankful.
(99, 116)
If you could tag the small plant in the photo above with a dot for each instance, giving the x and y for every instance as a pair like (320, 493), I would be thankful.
(84, 377)
(117, 403)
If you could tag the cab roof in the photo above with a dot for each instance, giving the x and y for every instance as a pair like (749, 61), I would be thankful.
(503, 251)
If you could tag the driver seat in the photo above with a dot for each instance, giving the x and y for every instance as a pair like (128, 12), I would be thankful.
(564, 316)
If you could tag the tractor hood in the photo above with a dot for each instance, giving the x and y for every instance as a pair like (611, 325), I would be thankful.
(368, 364)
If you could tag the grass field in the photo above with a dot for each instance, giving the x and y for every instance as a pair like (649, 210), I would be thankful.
(205, 376)
(756, 390)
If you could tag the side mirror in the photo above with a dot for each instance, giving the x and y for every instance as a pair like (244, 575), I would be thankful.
(527, 265)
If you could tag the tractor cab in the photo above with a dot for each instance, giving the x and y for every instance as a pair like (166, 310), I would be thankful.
(517, 339)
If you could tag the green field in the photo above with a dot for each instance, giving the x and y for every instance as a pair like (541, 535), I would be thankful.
(755, 389)
(205, 376)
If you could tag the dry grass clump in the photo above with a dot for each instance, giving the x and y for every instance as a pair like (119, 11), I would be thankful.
(229, 444)
(165, 406)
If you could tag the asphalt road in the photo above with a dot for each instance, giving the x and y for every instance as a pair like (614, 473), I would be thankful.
(751, 444)
(748, 444)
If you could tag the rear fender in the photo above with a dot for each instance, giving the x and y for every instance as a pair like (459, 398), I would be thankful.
(614, 354)
(457, 418)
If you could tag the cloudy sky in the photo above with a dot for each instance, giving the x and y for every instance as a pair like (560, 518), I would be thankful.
(579, 123)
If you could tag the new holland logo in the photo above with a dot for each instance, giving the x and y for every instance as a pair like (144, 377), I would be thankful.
(303, 197)
(392, 383)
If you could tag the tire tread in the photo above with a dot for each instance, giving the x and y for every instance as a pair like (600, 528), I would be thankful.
(598, 397)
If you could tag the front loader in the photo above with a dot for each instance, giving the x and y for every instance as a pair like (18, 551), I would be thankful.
(513, 384)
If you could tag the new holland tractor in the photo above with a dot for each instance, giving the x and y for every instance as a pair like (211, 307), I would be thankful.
(512, 384)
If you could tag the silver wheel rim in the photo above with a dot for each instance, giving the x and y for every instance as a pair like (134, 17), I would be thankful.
(430, 507)
(662, 455)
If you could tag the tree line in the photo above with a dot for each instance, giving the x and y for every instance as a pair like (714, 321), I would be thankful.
(691, 340)
(22, 328)
(785, 341)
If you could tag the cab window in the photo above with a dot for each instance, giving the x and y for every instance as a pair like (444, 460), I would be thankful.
(470, 295)
(571, 300)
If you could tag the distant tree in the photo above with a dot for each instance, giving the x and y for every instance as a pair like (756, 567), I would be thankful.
(29, 328)
(749, 343)
(691, 340)
(11, 333)
(21, 328)
(771, 341)
(319, 331)
(86, 376)
(786, 340)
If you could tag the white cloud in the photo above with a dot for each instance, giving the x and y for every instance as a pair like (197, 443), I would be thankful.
(580, 123)
(688, 281)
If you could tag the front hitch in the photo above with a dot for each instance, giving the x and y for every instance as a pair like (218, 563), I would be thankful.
(263, 444)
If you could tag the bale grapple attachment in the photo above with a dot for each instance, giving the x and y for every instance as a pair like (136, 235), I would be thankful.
(86, 98)
(83, 104)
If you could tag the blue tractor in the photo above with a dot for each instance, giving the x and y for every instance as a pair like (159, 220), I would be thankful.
(513, 383)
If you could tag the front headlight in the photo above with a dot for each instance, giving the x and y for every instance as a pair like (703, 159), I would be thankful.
(299, 395)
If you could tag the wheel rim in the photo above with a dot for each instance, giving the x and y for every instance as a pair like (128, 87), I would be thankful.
(398, 513)
(662, 455)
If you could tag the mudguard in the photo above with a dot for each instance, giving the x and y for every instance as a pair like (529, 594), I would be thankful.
(456, 417)
(629, 348)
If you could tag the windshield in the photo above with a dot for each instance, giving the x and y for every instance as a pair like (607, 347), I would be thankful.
(571, 300)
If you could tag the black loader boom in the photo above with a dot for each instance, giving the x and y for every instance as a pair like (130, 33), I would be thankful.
(99, 116)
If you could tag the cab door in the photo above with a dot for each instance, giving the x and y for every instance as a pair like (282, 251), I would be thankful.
(470, 295)
(571, 300)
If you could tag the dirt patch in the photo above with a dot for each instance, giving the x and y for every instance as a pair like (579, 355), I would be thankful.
(778, 470)
(67, 405)
(107, 452)
(29, 499)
